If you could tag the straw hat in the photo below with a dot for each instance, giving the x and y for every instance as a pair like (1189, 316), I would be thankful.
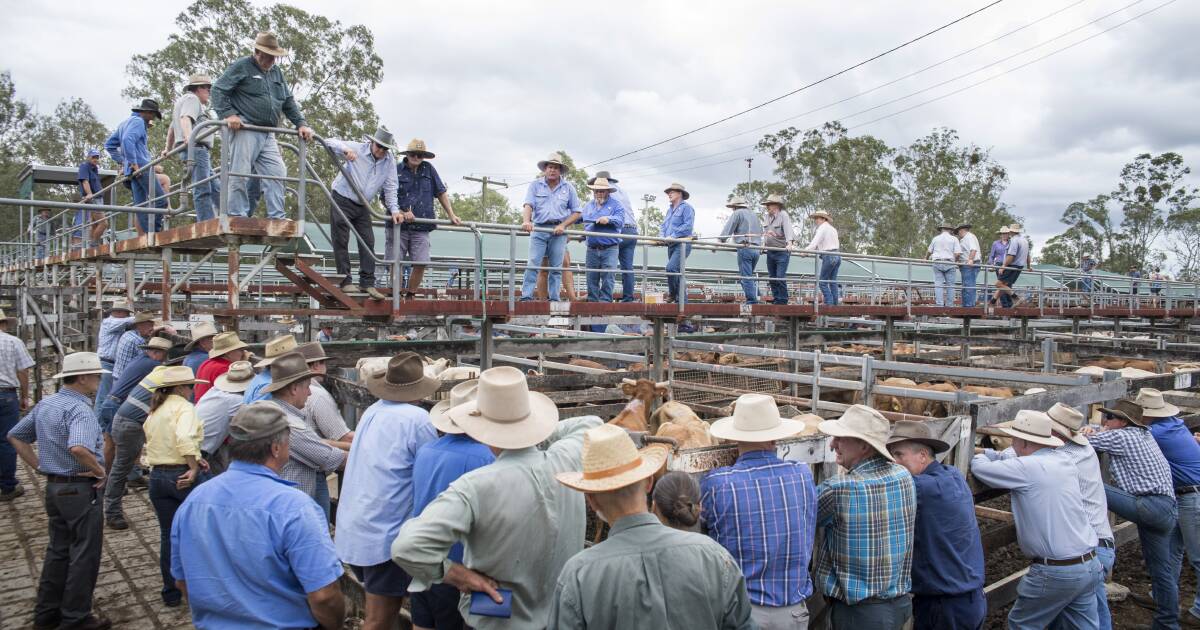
(1152, 404)
(383, 138)
(864, 423)
(157, 343)
(919, 432)
(755, 419)
(312, 351)
(601, 183)
(199, 80)
(945, 226)
(505, 414)
(143, 317)
(236, 379)
(462, 393)
(821, 214)
(1033, 426)
(1128, 411)
(1068, 421)
(268, 42)
(556, 159)
(603, 175)
(417, 146)
(276, 347)
(1004, 230)
(80, 363)
(224, 343)
(611, 461)
(177, 375)
(120, 306)
(203, 330)
(773, 199)
(737, 201)
(287, 369)
(1015, 228)
(404, 379)
(257, 420)
(677, 186)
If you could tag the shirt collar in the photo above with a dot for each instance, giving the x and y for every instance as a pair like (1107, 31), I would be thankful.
(288, 408)
(517, 454)
(632, 521)
(871, 462)
(70, 393)
(259, 470)
(757, 456)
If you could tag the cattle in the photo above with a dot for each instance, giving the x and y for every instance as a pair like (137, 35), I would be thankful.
(729, 359)
(587, 363)
(1185, 367)
(642, 392)
(1116, 363)
(992, 392)
(914, 406)
(677, 421)
(458, 373)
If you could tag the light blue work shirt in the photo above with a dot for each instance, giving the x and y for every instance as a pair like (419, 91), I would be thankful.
(377, 491)
(610, 209)
(370, 174)
(679, 221)
(1018, 248)
(745, 228)
(195, 359)
(623, 199)
(251, 547)
(551, 206)
(111, 329)
(254, 392)
(127, 145)
(438, 464)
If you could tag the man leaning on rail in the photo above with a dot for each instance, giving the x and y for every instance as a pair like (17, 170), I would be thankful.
(418, 183)
(190, 110)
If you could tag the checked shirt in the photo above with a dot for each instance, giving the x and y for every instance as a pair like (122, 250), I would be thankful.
(1136, 462)
(57, 423)
(127, 350)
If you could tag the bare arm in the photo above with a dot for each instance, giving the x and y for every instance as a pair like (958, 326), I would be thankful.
(182, 586)
(328, 606)
(527, 217)
(88, 461)
(444, 199)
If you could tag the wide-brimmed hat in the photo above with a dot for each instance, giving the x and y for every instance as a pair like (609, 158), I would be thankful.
(600, 183)
(224, 343)
(945, 226)
(203, 330)
(963, 226)
(603, 175)
(1004, 230)
(199, 80)
(755, 419)
(417, 146)
(148, 105)
(677, 186)
(1152, 404)
(1068, 421)
(611, 461)
(554, 158)
(737, 201)
(822, 214)
(177, 375)
(864, 423)
(773, 199)
(121, 306)
(268, 42)
(462, 393)
(383, 138)
(1015, 228)
(236, 379)
(276, 347)
(1126, 410)
(157, 343)
(505, 414)
(312, 351)
(919, 432)
(1033, 426)
(403, 380)
(143, 317)
(287, 369)
(257, 420)
(79, 364)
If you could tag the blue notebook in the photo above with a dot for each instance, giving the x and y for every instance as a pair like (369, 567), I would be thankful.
(483, 604)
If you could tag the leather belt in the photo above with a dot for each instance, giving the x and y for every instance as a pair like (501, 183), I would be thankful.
(1066, 562)
(69, 479)
(1186, 490)
(1108, 543)
(169, 467)
(601, 246)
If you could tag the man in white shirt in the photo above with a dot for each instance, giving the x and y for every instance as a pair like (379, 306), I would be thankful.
(825, 239)
(971, 256)
(945, 251)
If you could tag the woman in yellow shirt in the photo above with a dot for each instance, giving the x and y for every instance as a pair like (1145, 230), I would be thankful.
(173, 437)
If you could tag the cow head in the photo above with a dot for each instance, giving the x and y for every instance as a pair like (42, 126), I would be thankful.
(644, 389)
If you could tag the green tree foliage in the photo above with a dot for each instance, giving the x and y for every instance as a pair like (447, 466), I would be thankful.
(468, 208)
(577, 176)
(1090, 229)
(1183, 227)
(649, 220)
(1149, 191)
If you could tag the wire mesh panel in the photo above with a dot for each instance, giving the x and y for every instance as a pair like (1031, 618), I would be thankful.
(743, 384)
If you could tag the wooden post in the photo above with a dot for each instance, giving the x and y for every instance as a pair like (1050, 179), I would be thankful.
(234, 289)
(129, 278)
(166, 285)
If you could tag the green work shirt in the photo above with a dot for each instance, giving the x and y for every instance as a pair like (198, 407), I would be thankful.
(254, 94)
(518, 525)
(647, 575)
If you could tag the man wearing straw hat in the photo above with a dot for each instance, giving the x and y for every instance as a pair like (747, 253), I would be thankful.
(645, 574)
(517, 524)
(14, 399)
(867, 515)
(1016, 258)
(378, 496)
(1052, 526)
(321, 412)
(678, 223)
(971, 256)
(602, 214)
(778, 235)
(226, 349)
(945, 251)
(436, 466)
(217, 408)
(419, 183)
(275, 347)
(252, 91)
(128, 147)
(628, 246)
(198, 347)
(947, 565)
(112, 327)
(763, 511)
(155, 352)
(746, 230)
(372, 170)
(69, 453)
(190, 110)
(551, 203)
(825, 239)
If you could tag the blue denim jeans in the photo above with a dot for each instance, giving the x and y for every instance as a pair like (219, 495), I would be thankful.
(965, 611)
(969, 274)
(140, 186)
(257, 152)
(747, 258)
(10, 412)
(108, 409)
(887, 615)
(550, 246)
(1107, 558)
(676, 253)
(830, 263)
(1049, 592)
(166, 499)
(1189, 532)
(106, 384)
(206, 196)
(777, 266)
(945, 276)
(321, 495)
(600, 283)
(625, 254)
(1156, 516)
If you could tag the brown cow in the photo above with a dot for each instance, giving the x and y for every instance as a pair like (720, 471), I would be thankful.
(994, 392)
(676, 420)
(643, 392)
(1116, 363)
(914, 406)
(588, 364)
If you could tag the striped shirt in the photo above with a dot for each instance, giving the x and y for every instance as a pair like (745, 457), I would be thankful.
(13, 358)
(322, 415)
(309, 458)
(868, 515)
(57, 423)
(763, 511)
(111, 329)
(127, 351)
(136, 407)
(1136, 462)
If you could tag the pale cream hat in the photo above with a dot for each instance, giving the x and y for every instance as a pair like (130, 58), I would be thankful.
(224, 343)
(755, 419)
(556, 159)
(1152, 404)
(236, 379)
(864, 423)
(177, 375)
(1033, 426)
(202, 330)
(737, 201)
(156, 343)
(1068, 421)
(611, 461)
(464, 392)
(505, 414)
(822, 214)
(276, 347)
(80, 363)
(601, 183)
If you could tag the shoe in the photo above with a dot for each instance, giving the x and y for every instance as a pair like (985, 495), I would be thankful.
(1187, 619)
(374, 293)
(9, 495)
(172, 601)
(117, 522)
(1145, 601)
(141, 482)
(50, 624)
(92, 622)
(347, 281)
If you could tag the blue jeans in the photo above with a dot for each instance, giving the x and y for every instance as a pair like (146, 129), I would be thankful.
(676, 253)
(1156, 516)
(321, 492)
(1087, 282)
(777, 266)
(626, 250)
(106, 384)
(887, 615)
(969, 274)
(205, 196)
(140, 186)
(166, 499)
(257, 152)
(1107, 558)
(1049, 592)
(551, 247)
(747, 260)
(1189, 532)
(108, 409)
(600, 283)
(945, 275)
(10, 412)
(965, 611)
(830, 263)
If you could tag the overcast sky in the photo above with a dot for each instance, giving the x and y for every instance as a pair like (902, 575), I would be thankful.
(493, 87)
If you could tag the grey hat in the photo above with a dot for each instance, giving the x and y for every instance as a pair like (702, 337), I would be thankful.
(604, 175)
(736, 201)
(383, 138)
(256, 421)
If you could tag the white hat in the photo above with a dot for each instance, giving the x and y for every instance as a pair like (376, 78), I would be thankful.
(276, 347)
(1068, 421)
(202, 330)
(611, 461)
(755, 419)
(1034, 390)
(505, 414)
(1033, 426)
(464, 392)
(236, 379)
(864, 423)
(1152, 404)
(80, 363)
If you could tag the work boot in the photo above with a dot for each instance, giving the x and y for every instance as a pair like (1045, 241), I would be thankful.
(347, 281)
(374, 293)
(9, 495)
(141, 483)
(92, 622)
(117, 521)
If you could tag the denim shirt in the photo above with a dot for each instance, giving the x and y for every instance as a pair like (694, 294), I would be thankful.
(593, 212)
(679, 221)
(417, 192)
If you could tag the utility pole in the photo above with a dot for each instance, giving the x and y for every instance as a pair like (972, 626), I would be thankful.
(485, 180)
(749, 173)
(645, 210)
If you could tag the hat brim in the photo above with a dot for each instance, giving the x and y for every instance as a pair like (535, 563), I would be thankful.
(530, 431)
(725, 430)
(274, 52)
(1166, 411)
(267, 362)
(837, 429)
(611, 180)
(1029, 437)
(653, 458)
(1121, 415)
(147, 346)
(81, 373)
(735, 206)
(275, 386)
(937, 445)
(152, 111)
(686, 194)
(178, 383)
(428, 155)
(442, 422)
(192, 344)
(240, 345)
(819, 215)
(380, 388)
(604, 188)
(223, 383)
(390, 147)
(562, 167)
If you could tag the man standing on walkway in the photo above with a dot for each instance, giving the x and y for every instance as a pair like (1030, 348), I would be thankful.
(1016, 258)
(1087, 267)
(372, 170)
(190, 110)
(419, 183)
(628, 246)
(602, 214)
(14, 400)
(197, 349)
(128, 146)
(825, 239)
(971, 256)
(745, 229)
(778, 235)
(112, 328)
(551, 203)
(679, 223)
(70, 455)
(89, 192)
(945, 251)
(252, 91)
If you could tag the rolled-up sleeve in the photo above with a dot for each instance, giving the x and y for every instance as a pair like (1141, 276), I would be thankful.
(423, 543)
(309, 550)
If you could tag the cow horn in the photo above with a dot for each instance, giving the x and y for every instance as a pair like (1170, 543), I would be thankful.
(628, 381)
(663, 384)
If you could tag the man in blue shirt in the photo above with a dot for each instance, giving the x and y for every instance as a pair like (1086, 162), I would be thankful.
(551, 203)
(419, 184)
(947, 568)
(1016, 258)
(128, 147)
(247, 547)
(1088, 267)
(439, 463)
(111, 329)
(372, 171)
(746, 230)
(678, 223)
(763, 511)
(89, 192)
(198, 347)
(628, 246)
(602, 214)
